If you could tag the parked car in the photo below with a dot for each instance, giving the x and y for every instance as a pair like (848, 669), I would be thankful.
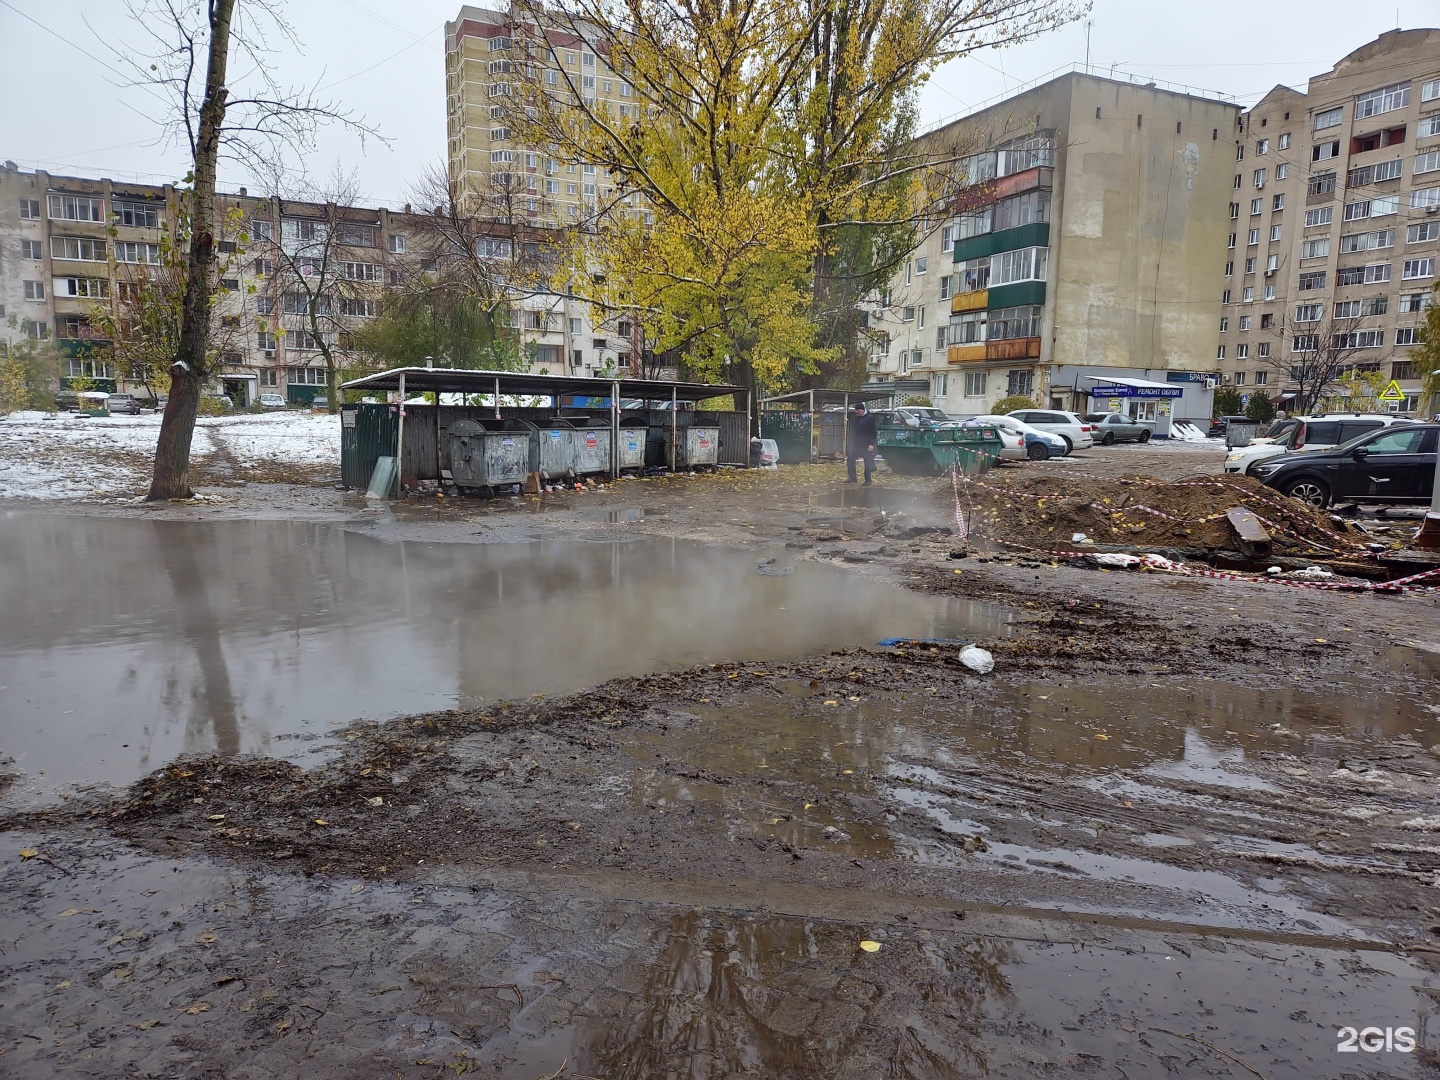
(1221, 423)
(1117, 427)
(67, 400)
(319, 404)
(272, 401)
(123, 403)
(1306, 433)
(1075, 431)
(1393, 465)
(1021, 441)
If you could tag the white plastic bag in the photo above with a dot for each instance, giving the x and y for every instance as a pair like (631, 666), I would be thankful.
(977, 660)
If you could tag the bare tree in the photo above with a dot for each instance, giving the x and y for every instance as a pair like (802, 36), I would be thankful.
(250, 119)
(1316, 355)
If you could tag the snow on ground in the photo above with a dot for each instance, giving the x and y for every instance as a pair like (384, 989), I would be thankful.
(67, 456)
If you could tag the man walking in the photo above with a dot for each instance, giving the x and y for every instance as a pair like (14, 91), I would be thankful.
(860, 442)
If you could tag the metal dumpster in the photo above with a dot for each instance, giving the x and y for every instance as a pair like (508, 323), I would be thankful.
(552, 452)
(630, 454)
(931, 451)
(698, 446)
(592, 448)
(488, 456)
(1241, 433)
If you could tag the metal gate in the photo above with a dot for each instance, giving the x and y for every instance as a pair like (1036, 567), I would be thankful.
(367, 432)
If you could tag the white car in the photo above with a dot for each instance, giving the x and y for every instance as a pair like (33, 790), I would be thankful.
(1078, 435)
(1301, 433)
(1020, 441)
(272, 401)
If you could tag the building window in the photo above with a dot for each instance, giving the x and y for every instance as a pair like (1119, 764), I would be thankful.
(1250, 265)
(1262, 147)
(1405, 335)
(1382, 101)
(1224, 323)
(921, 265)
(1428, 127)
(265, 341)
(1021, 382)
(1321, 215)
(1309, 312)
(1417, 234)
(91, 288)
(1247, 294)
(1285, 141)
(1425, 198)
(86, 250)
(1267, 322)
(1230, 243)
(34, 290)
(1269, 292)
(1381, 238)
(269, 376)
(1257, 206)
(1330, 118)
(1252, 237)
(1244, 322)
(1259, 178)
(974, 384)
(76, 208)
(1274, 233)
(305, 376)
(1414, 301)
(1313, 280)
(945, 287)
(1325, 151)
(129, 251)
(947, 238)
(30, 209)
(31, 249)
(397, 244)
(303, 339)
(353, 271)
(1315, 249)
(1278, 202)
(1229, 268)
(940, 384)
(1321, 184)
(264, 305)
(137, 215)
(1225, 297)
(1234, 210)
(907, 314)
(1418, 268)
(1360, 339)
(1220, 353)
(358, 307)
(1238, 181)
(1239, 151)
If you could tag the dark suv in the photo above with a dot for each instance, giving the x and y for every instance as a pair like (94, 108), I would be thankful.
(1393, 465)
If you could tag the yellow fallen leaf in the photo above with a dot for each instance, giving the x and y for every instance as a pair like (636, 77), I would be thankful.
(145, 1025)
(870, 946)
(1320, 641)
(214, 817)
(854, 697)
(69, 911)
(28, 853)
(283, 1026)
(356, 888)
(206, 938)
(1102, 735)
(376, 801)
(957, 571)
(198, 1008)
(847, 772)
(810, 806)
(321, 821)
(832, 703)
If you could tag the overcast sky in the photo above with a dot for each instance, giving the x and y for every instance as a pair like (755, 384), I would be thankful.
(68, 110)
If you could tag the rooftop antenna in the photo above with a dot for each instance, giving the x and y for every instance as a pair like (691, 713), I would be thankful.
(1088, 24)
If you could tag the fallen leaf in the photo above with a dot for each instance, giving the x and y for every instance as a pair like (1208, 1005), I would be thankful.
(206, 938)
(214, 817)
(810, 805)
(63, 986)
(854, 697)
(198, 1008)
(283, 1026)
(1320, 641)
(376, 801)
(832, 703)
(68, 912)
(221, 980)
(28, 853)
(1102, 735)
(145, 1025)
(847, 772)
(870, 946)
(356, 888)
(321, 821)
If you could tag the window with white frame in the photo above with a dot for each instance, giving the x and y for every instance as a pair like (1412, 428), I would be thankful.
(1424, 198)
(921, 265)
(1284, 143)
(359, 307)
(397, 244)
(1268, 293)
(89, 288)
(1309, 312)
(1250, 265)
(975, 384)
(1360, 339)
(947, 238)
(1305, 343)
(34, 290)
(1282, 171)
(1024, 264)
(303, 339)
(1411, 302)
(265, 341)
(1427, 162)
(1253, 237)
(1242, 352)
(1247, 294)
(261, 230)
(1430, 91)
(1321, 215)
(1429, 126)
(1230, 242)
(31, 249)
(29, 209)
(1325, 151)
(1262, 147)
(1405, 335)
(359, 271)
(1330, 118)
(264, 305)
(85, 249)
(1278, 202)
(1274, 233)
(1220, 352)
(945, 287)
(1224, 323)
(136, 214)
(1418, 234)
(940, 384)
(1418, 268)
(76, 208)
(1259, 178)
(1315, 279)
(1257, 206)
(1244, 322)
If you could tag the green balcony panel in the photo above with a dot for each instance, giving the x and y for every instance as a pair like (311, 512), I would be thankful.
(1021, 292)
(975, 247)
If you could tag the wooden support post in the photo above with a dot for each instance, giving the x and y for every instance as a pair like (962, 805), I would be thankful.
(400, 441)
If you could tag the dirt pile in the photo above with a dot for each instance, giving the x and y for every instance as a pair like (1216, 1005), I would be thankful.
(1045, 510)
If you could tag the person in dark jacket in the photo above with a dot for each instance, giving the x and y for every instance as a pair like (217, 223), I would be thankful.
(860, 442)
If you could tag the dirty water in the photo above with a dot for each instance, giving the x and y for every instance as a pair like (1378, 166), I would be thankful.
(158, 967)
(128, 642)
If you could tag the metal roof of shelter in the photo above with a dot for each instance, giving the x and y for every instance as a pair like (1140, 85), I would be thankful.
(1134, 384)
(466, 381)
(829, 397)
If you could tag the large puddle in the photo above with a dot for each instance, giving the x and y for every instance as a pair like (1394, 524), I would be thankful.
(125, 643)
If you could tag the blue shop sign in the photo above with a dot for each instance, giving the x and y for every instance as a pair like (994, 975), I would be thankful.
(1200, 377)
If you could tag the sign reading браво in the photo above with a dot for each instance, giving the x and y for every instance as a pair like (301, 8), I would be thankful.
(1392, 392)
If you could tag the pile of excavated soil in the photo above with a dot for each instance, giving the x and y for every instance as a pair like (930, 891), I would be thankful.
(1045, 509)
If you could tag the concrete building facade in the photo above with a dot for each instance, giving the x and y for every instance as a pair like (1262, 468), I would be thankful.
(69, 243)
(1335, 221)
(1088, 234)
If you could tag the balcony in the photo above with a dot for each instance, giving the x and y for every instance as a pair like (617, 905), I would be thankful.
(970, 301)
(989, 191)
(1021, 292)
(1027, 348)
(966, 354)
(1033, 234)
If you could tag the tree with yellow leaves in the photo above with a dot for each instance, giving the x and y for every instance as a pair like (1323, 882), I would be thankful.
(756, 173)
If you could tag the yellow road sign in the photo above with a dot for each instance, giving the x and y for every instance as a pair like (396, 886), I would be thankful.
(1392, 392)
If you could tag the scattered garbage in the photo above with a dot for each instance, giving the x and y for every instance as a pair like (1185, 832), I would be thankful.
(836, 835)
(1116, 560)
(977, 660)
(1311, 573)
(1078, 538)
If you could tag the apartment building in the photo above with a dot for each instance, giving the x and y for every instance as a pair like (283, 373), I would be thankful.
(68, 243)
(488, 55)
(1084, 253)
(1335, 221)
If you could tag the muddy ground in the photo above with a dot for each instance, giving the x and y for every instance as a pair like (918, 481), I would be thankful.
(1184, 828)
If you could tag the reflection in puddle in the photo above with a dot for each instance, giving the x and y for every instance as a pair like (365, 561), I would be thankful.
(128, 642)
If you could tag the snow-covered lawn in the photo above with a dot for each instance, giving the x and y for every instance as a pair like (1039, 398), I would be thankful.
(67, 456)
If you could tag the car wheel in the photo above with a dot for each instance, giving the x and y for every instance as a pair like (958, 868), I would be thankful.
(1039, 452)
(1069, 446)
(1309, 490)
(1145, 435)
(1107, 439)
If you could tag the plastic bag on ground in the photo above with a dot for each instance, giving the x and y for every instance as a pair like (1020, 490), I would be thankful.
(977, 659)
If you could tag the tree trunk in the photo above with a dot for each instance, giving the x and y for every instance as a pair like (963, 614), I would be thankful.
(171, 478)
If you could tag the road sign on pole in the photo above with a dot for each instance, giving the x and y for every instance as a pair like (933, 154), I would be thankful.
(1392, 392)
